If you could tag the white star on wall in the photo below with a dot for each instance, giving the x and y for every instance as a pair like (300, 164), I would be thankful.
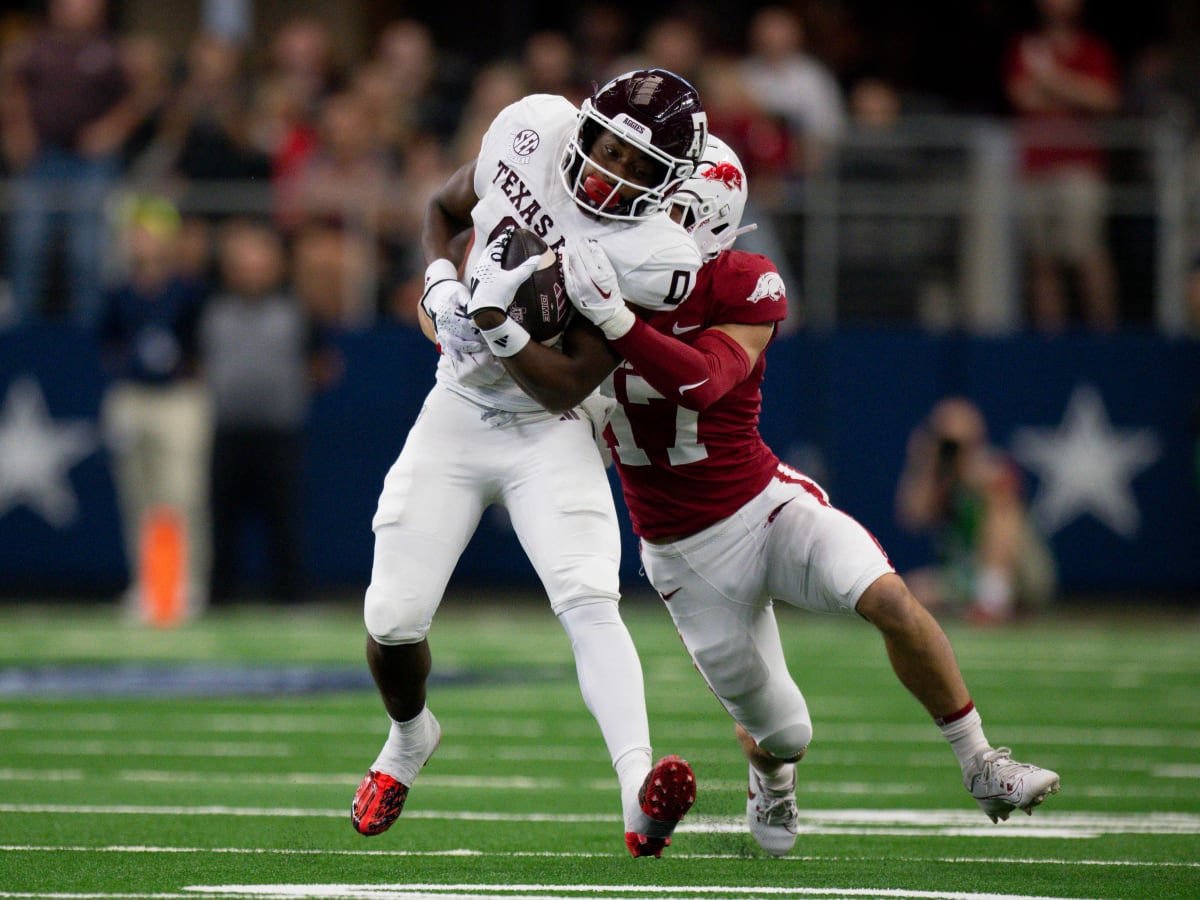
(1086, 466)
(36, 455)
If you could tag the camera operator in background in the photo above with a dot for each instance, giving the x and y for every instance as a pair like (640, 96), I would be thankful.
(968, 495)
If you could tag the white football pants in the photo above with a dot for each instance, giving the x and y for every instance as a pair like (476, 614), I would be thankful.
(546, 471)
(786, 544)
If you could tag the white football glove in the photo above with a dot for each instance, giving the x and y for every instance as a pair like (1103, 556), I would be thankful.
(493, 285)
(592, 286)
(599, 409)
(477, 368)
(445, 302)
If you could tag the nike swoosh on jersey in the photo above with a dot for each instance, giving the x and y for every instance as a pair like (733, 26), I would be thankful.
(688, 387)
(669, 594)
(676, 328)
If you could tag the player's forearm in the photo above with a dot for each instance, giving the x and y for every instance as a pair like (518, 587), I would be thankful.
(447, 216)
(560, 380)
(694, 376)
(547, 377)
(438, 232)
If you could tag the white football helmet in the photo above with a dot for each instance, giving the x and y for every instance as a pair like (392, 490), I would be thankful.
(710, 204)
(657, 112)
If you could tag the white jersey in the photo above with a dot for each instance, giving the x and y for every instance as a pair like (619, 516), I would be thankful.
(518, 183)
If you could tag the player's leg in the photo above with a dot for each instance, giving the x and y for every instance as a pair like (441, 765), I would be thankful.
(431, 502)
(923, 660)
(561, 506)
(823, 559)
(713, 585)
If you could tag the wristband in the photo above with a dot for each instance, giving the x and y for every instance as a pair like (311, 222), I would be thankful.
(506, 339)
(618, 324)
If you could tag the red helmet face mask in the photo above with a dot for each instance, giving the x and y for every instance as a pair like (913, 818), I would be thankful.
(652, 110)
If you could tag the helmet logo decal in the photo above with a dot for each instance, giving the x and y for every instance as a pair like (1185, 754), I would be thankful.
(699, 135)
(769, 287)
(645, 89)
(726, 173)
(525, 142)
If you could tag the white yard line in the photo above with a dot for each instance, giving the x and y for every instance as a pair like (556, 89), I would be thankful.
(565, 854)
(911, 822)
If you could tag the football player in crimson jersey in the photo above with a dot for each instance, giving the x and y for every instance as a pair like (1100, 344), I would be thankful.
(601, 172)
(726, 528)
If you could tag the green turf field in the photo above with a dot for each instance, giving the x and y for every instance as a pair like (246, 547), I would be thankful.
(226, 768)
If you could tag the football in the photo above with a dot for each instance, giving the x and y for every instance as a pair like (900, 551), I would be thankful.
(540, 304)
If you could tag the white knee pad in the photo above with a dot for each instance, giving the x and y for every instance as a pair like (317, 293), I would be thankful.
(394, 620)
(404, 593)
(789, 743)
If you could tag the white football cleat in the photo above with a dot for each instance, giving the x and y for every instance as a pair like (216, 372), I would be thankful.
(772, 815)
(1001, 784)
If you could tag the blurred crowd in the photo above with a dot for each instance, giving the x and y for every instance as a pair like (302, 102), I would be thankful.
(214, 214)
(340, 155)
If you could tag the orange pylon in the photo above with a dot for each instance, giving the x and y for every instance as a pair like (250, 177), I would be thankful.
(163, 564)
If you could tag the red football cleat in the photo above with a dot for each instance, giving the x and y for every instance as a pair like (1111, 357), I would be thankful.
(378, 803)
(665, 797)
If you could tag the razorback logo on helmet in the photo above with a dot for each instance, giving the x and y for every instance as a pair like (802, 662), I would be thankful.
(726, 173)
(769, 287)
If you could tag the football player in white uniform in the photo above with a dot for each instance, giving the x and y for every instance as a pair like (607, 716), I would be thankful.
(600, 172)
(727, 528)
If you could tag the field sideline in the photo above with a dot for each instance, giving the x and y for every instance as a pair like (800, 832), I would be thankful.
(218, 760)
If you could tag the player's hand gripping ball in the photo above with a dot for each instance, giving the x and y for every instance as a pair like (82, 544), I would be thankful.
(540, 303)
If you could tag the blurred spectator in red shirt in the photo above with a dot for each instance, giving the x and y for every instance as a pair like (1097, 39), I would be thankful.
(1060, 79)
(760, 140)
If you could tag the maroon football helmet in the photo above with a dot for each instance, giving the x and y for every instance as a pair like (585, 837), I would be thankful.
(657, 112)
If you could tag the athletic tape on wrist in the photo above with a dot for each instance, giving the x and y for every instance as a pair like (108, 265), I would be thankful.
(506, 339)
(619, 325)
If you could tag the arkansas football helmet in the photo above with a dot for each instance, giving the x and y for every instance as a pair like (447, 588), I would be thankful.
(653, 110)
(710, 204)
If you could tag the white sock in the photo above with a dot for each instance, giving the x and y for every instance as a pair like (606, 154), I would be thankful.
(632, 769)
(780, 780)
(406, 748)
(610, 680)
(965, 734)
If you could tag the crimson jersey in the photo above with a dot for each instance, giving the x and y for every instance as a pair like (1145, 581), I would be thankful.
(683, 470)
